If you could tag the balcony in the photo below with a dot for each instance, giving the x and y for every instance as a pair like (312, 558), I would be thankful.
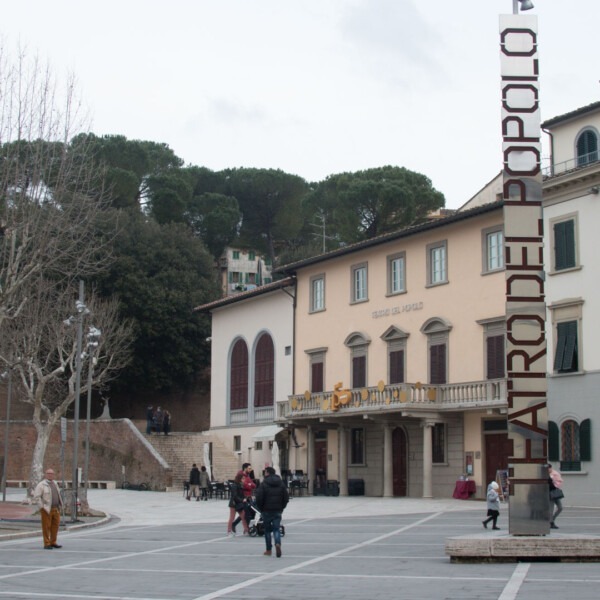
(402, 397)
(576, 163)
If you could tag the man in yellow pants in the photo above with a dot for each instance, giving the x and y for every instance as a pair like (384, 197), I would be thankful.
(47, 495)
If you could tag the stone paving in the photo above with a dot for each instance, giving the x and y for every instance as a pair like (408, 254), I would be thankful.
(160, 547)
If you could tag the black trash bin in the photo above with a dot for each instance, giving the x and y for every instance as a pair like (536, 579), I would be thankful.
(333, 487)
(356, 487)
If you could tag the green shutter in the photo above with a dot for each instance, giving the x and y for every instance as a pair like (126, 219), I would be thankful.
(553, 454)
(564, 245)
(585, 440)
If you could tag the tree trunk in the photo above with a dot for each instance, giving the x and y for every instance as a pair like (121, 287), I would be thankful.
(39, 453)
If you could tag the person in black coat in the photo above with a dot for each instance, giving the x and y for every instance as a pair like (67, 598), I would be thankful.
(271, 499)
(194, 489)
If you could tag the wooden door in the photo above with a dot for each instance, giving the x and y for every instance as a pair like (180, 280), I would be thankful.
(399, 463)
(497, 450)
(320, 475)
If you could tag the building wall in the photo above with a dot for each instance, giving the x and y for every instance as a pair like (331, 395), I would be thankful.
(469, 296)
(574, 396)
(271, 313)
(115, 446)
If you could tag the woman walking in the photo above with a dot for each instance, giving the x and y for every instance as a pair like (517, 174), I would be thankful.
(236, 504)
(555, 482)
(493, 505)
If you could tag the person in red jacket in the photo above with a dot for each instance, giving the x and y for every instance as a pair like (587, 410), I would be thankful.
(248, 487)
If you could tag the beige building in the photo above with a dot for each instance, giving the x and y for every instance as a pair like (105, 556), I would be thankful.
(399, 385)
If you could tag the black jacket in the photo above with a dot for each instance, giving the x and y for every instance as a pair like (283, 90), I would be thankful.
(195, 476)
(272, 495)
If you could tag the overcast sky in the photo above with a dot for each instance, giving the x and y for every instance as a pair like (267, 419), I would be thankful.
(313, 87)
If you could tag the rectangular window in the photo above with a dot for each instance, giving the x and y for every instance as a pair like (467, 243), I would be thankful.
(566, 357)
(258, 445)
(357, 446)
(236, 254)
(437, 364)
(494, 250)
(251, 255)
(564, 245)
(359, 371)
(396, 274)
(437, 264)
(438, 443)
(495, 356)
(317, 293)
(396, 358)
(316, 376)
(359, 283)
(237, 443)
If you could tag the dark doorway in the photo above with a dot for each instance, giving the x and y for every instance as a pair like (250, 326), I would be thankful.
(320, 466)
(497, 450)
(399, 451)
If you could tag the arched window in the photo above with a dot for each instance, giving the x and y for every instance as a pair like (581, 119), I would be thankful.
(238, 376)
(587, 148)
(571, 444)
(264, 372)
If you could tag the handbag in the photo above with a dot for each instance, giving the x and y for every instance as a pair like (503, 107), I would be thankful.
(556, 494)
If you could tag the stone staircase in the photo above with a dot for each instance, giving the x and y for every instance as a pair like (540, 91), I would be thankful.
(181, 450)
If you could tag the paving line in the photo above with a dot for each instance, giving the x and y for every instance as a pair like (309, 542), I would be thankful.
(312, 561)
(108, 558)
(511, 589)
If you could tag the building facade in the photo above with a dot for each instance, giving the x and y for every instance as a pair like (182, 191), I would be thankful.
(571, 219)
(399, 379)
(251, 369)
(242, 270)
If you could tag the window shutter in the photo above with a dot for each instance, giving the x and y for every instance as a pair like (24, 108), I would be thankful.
(553, 454)
(566, 357)
(437, 355)
(317, 377)
(495, 357)
(564, 245)
(358, 371)
(397, 366)
(585, 440)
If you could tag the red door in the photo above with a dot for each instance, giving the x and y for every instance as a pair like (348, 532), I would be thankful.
(399, 463)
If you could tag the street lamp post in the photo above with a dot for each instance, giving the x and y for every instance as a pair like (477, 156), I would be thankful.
(5, 465)
(81, 312)
(93, 337)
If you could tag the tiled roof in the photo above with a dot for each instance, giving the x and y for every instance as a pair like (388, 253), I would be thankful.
(388, 237)
(571, 115)
(258, 291)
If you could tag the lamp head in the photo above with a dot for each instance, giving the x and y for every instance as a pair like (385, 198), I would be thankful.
(526, 4)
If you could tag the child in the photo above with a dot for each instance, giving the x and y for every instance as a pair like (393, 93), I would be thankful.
(493, 505)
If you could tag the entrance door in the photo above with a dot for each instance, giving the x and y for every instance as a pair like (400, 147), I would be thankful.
(320, 475)
(399, 463)
(497, 450)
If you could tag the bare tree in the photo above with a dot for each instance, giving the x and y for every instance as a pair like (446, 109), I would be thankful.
(41, 347)
(50, 192)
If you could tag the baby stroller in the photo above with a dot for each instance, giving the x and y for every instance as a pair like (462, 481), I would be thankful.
(255, 520)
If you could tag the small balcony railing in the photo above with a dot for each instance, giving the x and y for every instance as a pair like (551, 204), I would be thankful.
(573, 164)
(398, 397)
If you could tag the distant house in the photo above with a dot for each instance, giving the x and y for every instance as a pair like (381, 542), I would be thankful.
(242, 270)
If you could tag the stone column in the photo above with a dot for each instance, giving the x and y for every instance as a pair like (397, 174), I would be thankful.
(343, 460)
(310, 459)
(427, 458)
(388, 462)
